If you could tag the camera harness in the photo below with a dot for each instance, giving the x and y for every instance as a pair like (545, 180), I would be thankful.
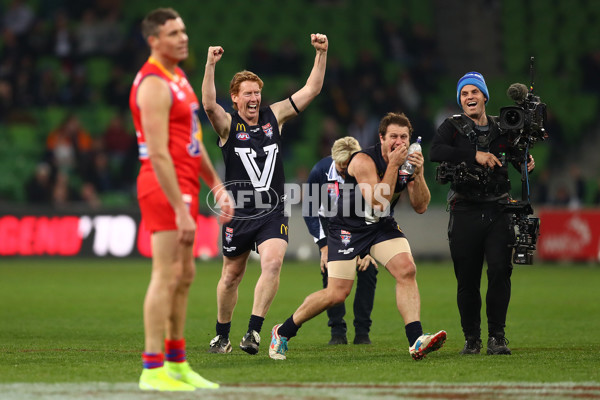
(465, 126)
(476, 178)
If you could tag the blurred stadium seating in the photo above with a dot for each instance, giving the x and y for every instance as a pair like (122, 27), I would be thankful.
(558, 33)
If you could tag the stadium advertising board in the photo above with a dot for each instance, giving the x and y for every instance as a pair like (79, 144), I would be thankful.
(569, 235)
(120, 235)
(564, 235)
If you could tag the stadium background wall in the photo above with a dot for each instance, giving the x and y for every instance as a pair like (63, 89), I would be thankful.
(564, 235)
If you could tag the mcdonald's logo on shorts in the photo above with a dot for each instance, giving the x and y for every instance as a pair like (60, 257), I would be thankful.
(240, 127)
(283, 228)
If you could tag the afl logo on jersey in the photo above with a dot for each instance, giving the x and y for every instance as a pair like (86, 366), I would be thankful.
(242, 136)
(268, 130)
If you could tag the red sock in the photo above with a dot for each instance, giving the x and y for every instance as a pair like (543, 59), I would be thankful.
(175, 350)
(153, 360)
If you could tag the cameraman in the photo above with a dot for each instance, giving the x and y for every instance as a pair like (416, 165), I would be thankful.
(478, 227)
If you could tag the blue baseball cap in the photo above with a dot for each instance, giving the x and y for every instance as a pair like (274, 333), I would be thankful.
(472, 78)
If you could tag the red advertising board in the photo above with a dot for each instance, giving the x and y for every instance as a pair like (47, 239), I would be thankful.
(119, 235)
(569, 235)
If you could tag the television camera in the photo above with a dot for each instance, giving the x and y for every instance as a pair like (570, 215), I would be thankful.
(524, 122)
(524, 125)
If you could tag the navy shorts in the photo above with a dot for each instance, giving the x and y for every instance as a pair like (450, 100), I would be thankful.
(241, 235)
(344, 244)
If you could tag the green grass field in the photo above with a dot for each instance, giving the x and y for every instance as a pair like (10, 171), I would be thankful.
(77, 321)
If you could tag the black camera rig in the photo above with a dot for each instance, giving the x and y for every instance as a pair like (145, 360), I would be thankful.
(524, 122)
(461, 174)
(524, 230)
(524, 125)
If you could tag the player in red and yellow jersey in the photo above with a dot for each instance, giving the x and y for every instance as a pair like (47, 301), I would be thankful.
(164, 109)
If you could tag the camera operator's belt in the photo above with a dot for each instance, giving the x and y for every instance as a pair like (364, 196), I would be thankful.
(474, 191)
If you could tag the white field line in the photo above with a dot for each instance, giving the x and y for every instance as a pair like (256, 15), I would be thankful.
(309, 391)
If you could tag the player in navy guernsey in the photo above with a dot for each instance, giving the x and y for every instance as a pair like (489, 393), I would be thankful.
(370, 229)
(363, 216)
(323, 184)
(254, 172)
(250, 139)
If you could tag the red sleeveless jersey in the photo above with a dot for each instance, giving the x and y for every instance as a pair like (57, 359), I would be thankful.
(185, 131)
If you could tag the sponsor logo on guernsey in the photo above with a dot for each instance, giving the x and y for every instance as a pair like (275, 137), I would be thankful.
(346, 236)
(254, 130)
(268, 130)
(240, 127)
(242, 136)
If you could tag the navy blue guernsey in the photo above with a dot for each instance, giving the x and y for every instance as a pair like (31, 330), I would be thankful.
(323, 183)
(253, 167)
(354, 218)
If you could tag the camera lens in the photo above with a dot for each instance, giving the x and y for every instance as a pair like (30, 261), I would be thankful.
(513, 118)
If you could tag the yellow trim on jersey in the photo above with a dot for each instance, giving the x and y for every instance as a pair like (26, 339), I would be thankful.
(157, 63)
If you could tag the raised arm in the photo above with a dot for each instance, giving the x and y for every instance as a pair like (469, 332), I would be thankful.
(218, 117)
(154, 100)
(284, 109)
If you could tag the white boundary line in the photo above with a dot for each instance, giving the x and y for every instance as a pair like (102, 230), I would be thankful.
(475, 391)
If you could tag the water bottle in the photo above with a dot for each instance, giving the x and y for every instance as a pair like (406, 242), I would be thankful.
(407, 168)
